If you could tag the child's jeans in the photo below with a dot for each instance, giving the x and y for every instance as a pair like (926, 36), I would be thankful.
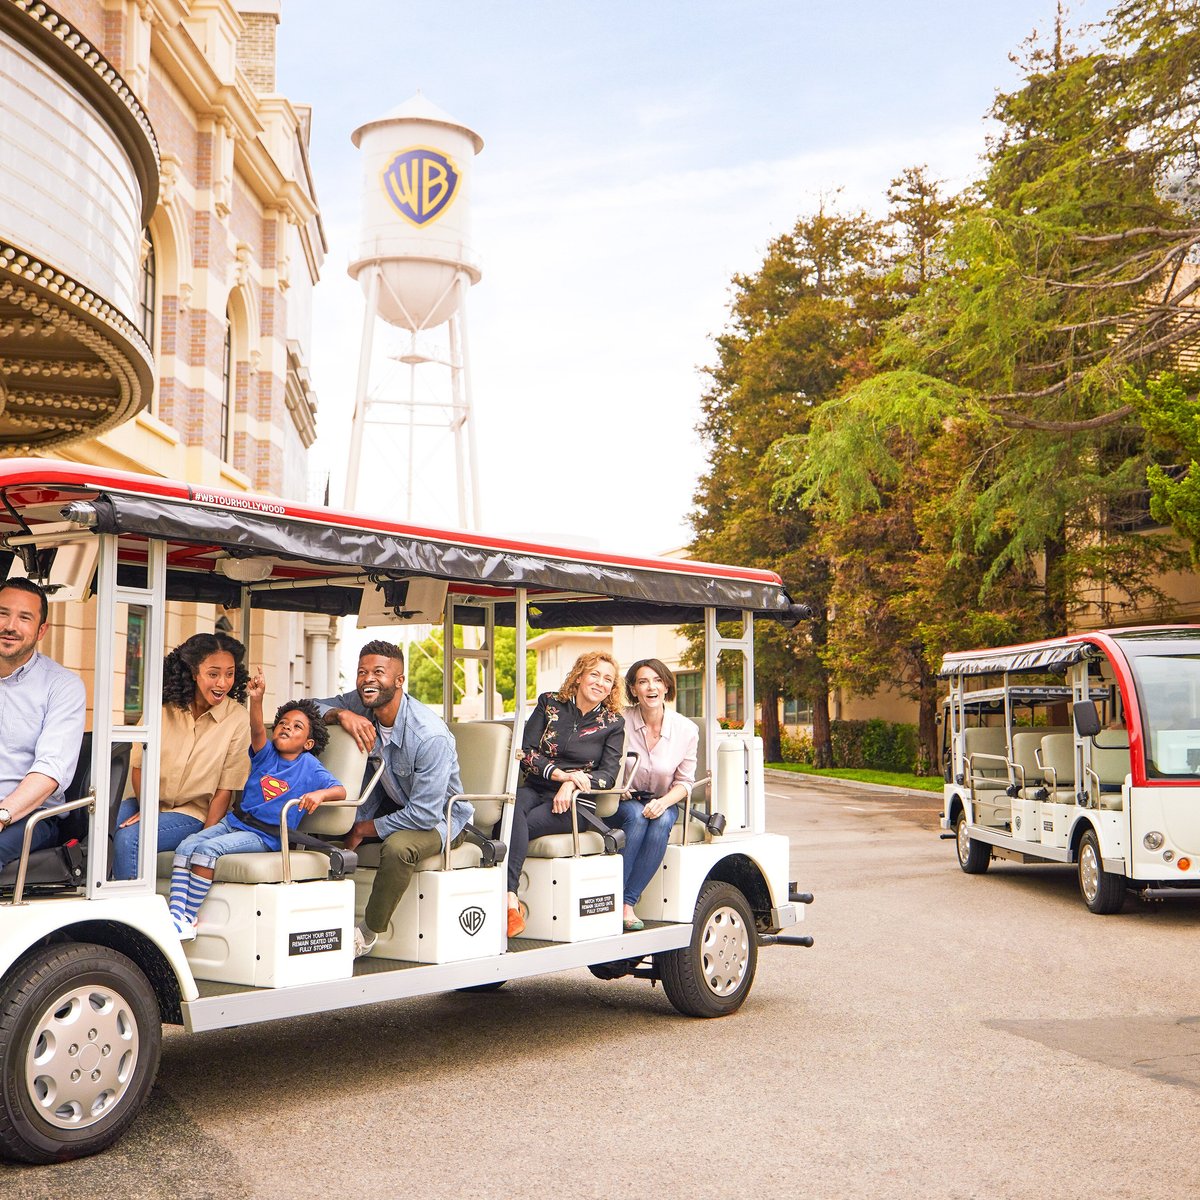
(204, 848)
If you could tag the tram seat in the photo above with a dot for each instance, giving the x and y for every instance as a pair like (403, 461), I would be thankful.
(347, 763)
(62, 867)
(576, 895)
(483, 751)
(1025, 744)
(450, 916)
(987, 776)
(1111, 764)
(1058, 767)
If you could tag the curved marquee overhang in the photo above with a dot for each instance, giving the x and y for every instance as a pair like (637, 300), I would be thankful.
(82, 185)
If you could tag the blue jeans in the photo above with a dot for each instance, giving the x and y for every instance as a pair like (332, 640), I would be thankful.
(204, 848)
(45, 833)
(645, 844)
(173, 827)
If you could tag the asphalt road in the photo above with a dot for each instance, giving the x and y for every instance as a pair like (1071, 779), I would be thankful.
(948, 1036)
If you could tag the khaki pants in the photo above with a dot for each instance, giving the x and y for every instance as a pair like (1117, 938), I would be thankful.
(398, 858)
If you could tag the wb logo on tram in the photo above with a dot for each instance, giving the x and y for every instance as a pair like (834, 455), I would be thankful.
(420, 182)
(472, 919)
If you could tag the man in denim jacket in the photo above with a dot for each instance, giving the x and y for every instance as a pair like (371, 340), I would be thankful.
(408, 808)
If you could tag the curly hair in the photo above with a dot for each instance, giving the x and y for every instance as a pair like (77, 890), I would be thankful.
(383, 650)
(182, 664)
(585, 662)
(317, 729)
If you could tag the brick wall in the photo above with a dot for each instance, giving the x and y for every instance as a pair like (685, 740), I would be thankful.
(256, 51)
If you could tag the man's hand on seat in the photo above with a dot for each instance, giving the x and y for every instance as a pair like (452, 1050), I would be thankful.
(361, 729)
(360, 830)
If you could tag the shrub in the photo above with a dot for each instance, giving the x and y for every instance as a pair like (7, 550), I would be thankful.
(876, 745)
(796, 747)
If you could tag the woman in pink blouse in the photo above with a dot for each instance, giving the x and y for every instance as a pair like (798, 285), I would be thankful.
(665, 744)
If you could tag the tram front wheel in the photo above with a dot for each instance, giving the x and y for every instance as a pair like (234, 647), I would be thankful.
(80, 1038)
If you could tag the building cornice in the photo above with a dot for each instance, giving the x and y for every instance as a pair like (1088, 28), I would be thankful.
(233, 102)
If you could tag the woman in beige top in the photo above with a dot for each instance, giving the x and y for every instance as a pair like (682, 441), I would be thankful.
(204, 748)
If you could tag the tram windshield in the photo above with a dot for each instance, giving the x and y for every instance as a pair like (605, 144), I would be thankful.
(1168, 686)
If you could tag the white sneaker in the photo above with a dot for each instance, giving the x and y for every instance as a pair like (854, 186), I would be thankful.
(185, 928)
(361, 945)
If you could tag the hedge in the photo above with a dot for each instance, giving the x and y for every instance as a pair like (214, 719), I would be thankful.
(875, 745)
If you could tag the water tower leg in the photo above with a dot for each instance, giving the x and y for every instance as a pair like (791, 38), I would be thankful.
(360, 393)
(464, 285)
(461, 416)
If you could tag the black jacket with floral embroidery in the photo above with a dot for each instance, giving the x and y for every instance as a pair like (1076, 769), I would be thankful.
(559, 736)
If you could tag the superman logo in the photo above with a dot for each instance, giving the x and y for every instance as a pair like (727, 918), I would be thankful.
(273, 788)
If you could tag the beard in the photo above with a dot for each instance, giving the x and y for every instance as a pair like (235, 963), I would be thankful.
(381, 699)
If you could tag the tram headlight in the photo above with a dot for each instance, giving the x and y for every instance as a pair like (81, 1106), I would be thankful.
(1153, 840)
(1168, 855)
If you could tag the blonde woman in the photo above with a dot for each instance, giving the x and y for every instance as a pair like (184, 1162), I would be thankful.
(572, 744)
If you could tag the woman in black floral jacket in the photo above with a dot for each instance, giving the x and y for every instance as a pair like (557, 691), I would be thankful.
(572, 744)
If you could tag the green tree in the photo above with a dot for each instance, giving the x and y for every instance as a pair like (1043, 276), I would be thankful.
(1021, 349)
(425, 667)
(799, 328)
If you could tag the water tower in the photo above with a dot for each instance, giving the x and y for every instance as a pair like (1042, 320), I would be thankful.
(415, 266)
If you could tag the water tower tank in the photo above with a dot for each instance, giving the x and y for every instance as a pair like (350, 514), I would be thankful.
(416, 212)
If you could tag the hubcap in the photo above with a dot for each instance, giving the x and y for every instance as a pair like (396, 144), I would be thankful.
(1089, 872)
(964, 840)
(82, 1054)
(724, 951)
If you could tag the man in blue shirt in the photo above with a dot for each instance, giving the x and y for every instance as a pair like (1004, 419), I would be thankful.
(42, 709)
(408, 808)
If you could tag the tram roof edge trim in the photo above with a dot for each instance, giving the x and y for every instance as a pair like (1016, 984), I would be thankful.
(440, 556)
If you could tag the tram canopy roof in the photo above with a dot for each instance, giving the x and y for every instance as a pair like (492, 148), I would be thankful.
(318, 559)
(1052, 657)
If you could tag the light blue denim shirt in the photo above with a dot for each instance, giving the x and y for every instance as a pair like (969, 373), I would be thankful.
(42, 707)
(421, 771)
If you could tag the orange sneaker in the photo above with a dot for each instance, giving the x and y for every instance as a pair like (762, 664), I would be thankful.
(516, 922)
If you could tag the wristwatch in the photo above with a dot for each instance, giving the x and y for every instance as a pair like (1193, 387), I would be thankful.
(5, 818)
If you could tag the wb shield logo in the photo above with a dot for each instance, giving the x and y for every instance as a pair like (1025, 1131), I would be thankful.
(420, 183)
(472, 919)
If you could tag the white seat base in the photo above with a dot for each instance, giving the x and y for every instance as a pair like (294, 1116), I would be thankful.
(572, 899)
(443, 916)
(275, 935)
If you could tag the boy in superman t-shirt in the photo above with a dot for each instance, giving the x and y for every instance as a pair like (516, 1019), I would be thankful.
(281, 768)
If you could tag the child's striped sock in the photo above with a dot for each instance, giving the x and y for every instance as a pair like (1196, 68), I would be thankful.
(180, 875)
(197, 889)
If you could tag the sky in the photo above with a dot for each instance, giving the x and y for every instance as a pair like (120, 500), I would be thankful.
(636, 157)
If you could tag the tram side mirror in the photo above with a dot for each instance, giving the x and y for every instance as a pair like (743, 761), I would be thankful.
(1087, 718)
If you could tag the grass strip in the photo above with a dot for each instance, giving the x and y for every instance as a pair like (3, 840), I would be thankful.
(920, 783)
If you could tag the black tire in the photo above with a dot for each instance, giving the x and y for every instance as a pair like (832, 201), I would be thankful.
(89, 1021)
(494, 986)
(974, 857)
(1102, 891)
(712, 976)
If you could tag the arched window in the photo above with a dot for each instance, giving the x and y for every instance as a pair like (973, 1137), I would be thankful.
(227, 390)
(149, 292)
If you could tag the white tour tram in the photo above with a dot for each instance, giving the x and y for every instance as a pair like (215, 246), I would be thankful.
(1085, 750)
(90, 967)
